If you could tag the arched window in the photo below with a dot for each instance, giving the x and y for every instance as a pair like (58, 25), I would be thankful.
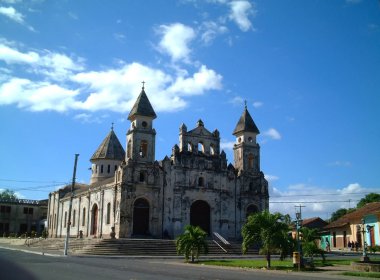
(108, 220)
(189, 147)
(142, 176)
(84, 217)
(74, 214)
(212, 149)
(129, 147)
(108, 168)
(250, 186)
(250, 161)
(201, 182)
(201, 148)
(143, 148)
(101, 168)
(251, 209)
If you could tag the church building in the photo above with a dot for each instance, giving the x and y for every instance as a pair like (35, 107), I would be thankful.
(131, 194)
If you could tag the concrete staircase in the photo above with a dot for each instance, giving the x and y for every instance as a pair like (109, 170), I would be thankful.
(129, 247)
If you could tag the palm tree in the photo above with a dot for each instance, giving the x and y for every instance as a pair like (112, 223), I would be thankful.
(267, 230)
(309, 243)
(192, 242)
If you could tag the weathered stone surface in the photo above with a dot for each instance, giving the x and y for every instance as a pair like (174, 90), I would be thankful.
(144, 197)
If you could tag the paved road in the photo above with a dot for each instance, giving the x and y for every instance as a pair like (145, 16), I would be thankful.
(21, 265)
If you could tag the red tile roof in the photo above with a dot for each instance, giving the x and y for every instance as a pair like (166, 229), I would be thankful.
(358, 214)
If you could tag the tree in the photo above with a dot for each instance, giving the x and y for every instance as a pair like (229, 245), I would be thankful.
(192, 242)
(309, 243)
(267, 230)
(8, 194)
(371, 197)
(337, 214)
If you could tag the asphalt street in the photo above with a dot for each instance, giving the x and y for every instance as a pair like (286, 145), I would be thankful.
(21, 265)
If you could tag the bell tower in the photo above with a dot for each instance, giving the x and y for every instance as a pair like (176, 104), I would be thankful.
(141, 134)
(246, 149)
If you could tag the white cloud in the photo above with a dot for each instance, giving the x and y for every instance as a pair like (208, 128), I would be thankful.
(175, 40)
(339, 163)
(271, 178)
(258, 104)
(210, 30)
(273, 134)
(37, 96)
(240, 12)
(89, 118)
(12, 14)
(73, 15)
(10, 55)
(227, 145)
(319, 201)
(204, 79)
(119, 37)
(351, 188)
(236, 101)
(54, 65)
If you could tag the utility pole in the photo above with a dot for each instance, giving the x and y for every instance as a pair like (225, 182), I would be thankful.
(298, 224)
(70, 206)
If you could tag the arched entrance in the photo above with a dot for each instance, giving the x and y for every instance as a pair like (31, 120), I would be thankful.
(141, 217)
(94, 219)
(251, 209)
(200, 215)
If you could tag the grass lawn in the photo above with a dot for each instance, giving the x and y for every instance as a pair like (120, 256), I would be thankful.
(275, 264)
(362, 274)
(279, 265)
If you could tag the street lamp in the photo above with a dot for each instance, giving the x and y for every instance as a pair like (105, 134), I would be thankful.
(361, 229)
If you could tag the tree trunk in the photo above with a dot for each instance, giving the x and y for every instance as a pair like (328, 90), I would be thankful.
(268, 260)
(192, 256)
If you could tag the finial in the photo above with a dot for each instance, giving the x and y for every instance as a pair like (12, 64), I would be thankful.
(143, 83)
(245, 104)
(112, 126)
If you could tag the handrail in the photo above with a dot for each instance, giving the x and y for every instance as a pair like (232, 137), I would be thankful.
(221, 238)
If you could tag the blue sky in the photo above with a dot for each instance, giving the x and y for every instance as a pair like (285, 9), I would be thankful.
(309, 71)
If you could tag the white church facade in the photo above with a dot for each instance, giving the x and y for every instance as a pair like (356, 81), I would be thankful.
(131, 194)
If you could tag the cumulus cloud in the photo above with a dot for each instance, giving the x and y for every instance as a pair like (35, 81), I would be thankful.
(240, 12)
(272, 133)
(204, 79)
(51, 64)
(37, 96)
(63, 84)
(175, 40)
(12, 14)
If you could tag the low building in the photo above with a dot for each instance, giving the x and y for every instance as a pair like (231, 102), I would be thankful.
(20, 216)
(349, 228)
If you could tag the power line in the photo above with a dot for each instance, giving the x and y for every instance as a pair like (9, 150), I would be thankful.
(293, 195)
(309, 202)
(31, 181)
